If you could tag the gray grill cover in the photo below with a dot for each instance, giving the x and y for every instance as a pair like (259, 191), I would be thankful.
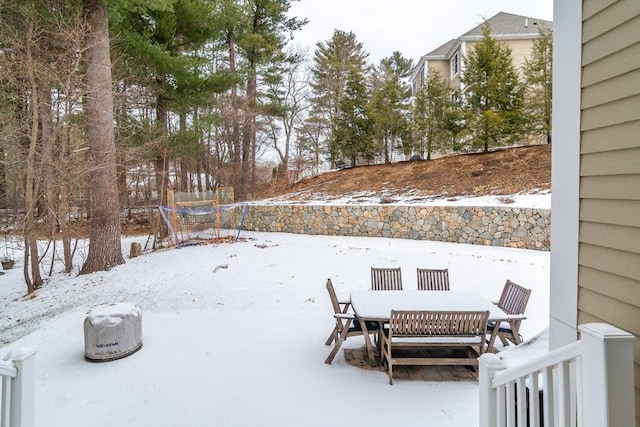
(112, 331)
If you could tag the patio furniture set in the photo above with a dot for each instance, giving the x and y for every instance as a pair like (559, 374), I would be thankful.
(412, 327)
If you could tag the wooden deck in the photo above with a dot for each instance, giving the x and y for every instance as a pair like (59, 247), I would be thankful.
(357, 357)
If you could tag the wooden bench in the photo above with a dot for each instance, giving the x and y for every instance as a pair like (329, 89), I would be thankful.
(429, 330)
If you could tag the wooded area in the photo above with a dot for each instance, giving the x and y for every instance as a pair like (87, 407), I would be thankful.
(104, 104)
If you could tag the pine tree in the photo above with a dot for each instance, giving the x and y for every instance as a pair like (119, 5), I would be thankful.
(159, 44)
(538, 73)
(354, 126)
(333, 61)
(493, 93)
(262, 44)
(429, 114)
(390, 105)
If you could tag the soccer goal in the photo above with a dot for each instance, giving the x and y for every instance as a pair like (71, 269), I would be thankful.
(194, 218)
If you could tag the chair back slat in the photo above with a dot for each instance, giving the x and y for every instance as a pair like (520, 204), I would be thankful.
(433, 279)
(430, 323)
(386, 279)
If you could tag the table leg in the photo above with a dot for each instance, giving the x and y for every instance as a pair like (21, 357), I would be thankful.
(492, 338)
(515, 332)
(367, 341)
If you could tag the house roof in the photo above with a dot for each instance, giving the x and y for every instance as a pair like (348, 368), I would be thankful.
(442, 50)
(508, 24)
(503, 26)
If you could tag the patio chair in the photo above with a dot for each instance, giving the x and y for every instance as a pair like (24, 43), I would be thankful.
(344, 304)
(513, 300)
(433, 280)
(386, 279)
(347, 325)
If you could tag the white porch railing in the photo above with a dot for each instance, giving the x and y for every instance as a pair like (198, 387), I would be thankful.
(588, 383)
(17, 394)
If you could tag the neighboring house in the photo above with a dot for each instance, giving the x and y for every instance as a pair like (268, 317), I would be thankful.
(518, 32)
(595, 252)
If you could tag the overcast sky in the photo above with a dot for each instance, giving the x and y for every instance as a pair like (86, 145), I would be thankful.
(413, 27)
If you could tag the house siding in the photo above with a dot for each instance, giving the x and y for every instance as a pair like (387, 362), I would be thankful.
(609, 219)
(520, 51)
(442, 67)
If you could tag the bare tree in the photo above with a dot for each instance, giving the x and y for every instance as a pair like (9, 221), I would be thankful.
(289, 98)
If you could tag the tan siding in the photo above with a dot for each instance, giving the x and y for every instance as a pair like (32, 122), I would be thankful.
(613, 16)
(621, 212)
(590, 8)
(611, 236)
(622, 187)
(618, 287)
(607, 91)
(623, 110)
(442, 67)
(617, 39)
(621, 62)
(622, 135)
(520, 51)
(619, 162)
(623, 263)
(609, 223)
(624, 315)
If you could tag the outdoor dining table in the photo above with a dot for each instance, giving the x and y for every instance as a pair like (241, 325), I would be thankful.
(377, 305)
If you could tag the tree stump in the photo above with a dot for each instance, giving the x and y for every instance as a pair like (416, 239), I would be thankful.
(136, 250)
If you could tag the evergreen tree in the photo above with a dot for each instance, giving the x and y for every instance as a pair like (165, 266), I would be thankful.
(159, 44)
(538, 73)
(267, 33)
(429, 114)
(390, 104)
(354, 126)
(454, 120)
(333, 61)
(493, 93)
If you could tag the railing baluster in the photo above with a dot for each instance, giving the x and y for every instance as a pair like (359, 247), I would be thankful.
(548, 396)
(501, 415)
(7, 372)
(521, 393)
(534, 400)
(5, 401)
(564, 396)
(511, 400)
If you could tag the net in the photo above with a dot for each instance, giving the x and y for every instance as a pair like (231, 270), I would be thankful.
(193, 218)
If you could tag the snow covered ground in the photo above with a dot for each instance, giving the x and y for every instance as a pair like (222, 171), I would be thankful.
(233, 334)
(540, 199)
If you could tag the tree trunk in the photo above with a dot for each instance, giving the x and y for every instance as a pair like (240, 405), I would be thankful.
(31, 268)
(234, 145)
(104, 236)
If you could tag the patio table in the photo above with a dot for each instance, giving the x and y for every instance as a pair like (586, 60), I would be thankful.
(377, 306)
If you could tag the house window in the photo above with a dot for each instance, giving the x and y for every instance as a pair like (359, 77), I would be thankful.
(454, 65)
(454, 101)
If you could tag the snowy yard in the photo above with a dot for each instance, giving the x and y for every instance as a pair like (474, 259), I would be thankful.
(243, 344)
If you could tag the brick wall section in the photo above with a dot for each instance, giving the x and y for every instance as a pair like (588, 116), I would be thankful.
(494, 226)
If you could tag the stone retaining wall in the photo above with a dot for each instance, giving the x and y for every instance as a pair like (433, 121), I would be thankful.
(494, 226)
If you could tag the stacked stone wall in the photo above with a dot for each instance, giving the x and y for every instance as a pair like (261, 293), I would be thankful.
(526, 228)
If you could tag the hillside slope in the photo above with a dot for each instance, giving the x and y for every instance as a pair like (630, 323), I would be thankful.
(504, 172)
